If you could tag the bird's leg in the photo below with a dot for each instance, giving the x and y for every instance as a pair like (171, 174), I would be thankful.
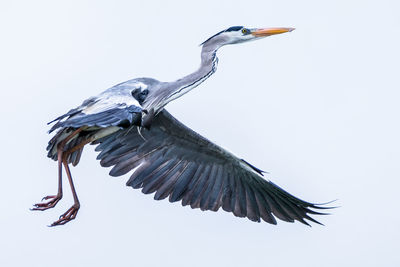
(54, 199)
(71, 213)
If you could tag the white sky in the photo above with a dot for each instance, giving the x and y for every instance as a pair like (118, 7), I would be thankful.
(318, 108)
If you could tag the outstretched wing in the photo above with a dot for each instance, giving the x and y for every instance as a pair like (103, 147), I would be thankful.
(172, 160)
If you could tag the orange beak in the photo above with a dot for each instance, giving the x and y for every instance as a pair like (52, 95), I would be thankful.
(270, 31)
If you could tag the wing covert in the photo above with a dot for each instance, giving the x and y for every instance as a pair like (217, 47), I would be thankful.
(100, 113)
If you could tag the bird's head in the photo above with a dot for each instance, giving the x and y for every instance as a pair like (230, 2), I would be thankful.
(240, 34)
(157, 95)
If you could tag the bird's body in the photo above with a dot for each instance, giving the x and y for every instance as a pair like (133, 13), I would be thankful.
(134, 132)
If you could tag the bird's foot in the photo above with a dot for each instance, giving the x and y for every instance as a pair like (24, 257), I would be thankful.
(69, 215)
(53, 200)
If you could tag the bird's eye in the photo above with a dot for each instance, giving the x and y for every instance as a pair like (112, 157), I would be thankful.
(244, 31)
(144, 92)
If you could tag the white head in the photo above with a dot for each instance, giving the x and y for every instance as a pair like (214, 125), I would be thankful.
(240, 34)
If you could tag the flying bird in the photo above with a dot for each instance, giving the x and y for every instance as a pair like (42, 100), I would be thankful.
(134, 133)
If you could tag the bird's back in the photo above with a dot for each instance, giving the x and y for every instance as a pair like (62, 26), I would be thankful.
(114, 107)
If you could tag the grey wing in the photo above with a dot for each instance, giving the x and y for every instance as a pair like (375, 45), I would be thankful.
(114, 107)
(101, 112)
(173, 161)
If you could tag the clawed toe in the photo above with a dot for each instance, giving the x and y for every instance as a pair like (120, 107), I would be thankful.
(53, 200)
(69, 215)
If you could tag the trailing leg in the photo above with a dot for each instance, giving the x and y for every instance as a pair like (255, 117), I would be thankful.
(71, 213)
(54, 199)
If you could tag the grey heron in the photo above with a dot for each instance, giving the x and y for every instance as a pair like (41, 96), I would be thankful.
(133, 132)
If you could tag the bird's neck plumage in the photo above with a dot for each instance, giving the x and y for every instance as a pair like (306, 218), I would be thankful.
(209, 62)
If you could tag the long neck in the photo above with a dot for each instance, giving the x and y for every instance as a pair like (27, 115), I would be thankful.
(208, 66)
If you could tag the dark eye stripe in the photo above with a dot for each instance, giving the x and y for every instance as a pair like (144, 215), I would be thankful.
(234, 28)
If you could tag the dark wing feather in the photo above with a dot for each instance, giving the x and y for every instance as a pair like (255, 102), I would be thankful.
(109, 115)
(175, 161)
(117, 115)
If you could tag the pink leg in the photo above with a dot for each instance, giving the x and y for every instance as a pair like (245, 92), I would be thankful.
(54, 199)
(71, 213)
